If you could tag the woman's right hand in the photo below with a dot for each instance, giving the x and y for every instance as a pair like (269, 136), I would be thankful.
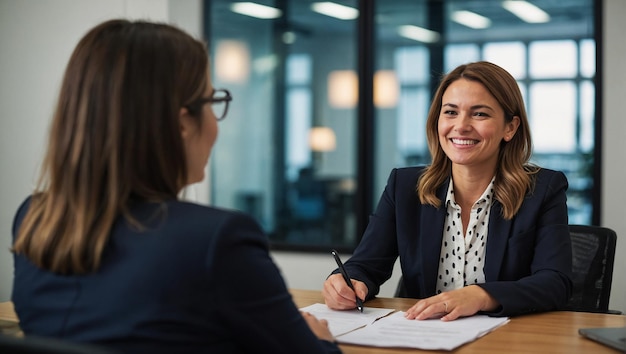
(338, 295)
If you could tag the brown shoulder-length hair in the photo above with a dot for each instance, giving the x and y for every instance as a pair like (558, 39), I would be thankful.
(514, 174)
(115, 137)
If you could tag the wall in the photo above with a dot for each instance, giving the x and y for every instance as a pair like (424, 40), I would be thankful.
(37, 36)
(613, 143)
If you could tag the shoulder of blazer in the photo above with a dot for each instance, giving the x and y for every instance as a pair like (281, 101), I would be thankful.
(182, 211)
(410, 171)
(410, 175)
(406, 175)
(403, 184)
(405, 178)
(547, 178)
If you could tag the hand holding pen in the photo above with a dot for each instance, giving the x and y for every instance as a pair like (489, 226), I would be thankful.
(344, 273)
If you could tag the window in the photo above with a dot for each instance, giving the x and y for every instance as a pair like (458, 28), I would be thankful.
(554, 64)
(290, 150)
(286, 154)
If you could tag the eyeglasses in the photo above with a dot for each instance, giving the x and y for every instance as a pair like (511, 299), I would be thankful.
(219, 103)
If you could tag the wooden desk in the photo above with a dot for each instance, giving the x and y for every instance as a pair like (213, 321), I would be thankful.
(9, 323)
(551, 332)
(7, 312)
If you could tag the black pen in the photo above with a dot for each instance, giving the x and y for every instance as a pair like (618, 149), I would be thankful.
(359, 303)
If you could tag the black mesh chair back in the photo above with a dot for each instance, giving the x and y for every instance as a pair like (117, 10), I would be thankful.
(401, 289)
(593, 255)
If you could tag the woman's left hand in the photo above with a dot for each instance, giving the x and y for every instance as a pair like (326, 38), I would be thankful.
(318, 327)
(453, 304)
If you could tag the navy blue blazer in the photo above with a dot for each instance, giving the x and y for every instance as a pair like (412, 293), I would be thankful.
(196, 280)
(528, 259)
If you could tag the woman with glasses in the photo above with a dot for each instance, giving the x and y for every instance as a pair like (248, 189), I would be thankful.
(106, 253)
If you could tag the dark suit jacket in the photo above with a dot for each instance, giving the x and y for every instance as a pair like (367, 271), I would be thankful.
(528, 259)
(196, 280)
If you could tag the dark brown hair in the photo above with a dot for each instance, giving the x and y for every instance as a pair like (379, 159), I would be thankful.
(115, 137)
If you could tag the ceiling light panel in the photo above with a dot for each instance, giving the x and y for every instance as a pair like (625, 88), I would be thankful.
(335, 10)
(255, 10)
(471, 19)
(526, 11)
(418, 34)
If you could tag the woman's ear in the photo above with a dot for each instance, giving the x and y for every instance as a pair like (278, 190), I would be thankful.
(511, 128)
(186, 123)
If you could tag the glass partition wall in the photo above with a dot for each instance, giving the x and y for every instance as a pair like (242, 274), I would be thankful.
(301, 152)
(287, 152)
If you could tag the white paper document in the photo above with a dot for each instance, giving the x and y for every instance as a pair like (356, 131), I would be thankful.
(434, 334)
(341, 322)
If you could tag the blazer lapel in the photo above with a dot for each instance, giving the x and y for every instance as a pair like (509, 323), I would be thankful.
(431, 234)
(498, 236)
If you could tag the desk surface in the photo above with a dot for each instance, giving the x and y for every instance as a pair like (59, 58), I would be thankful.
(8, 320)
(551, 332)
(7, 312)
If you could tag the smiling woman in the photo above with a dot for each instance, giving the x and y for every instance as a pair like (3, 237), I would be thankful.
(504, 149)
(472, 125)
(480, 193)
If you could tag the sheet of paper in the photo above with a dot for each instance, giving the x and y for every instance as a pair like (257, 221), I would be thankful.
(397, 331)
(341, 322)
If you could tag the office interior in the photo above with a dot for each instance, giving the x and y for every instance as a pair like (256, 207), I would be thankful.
(279, 181)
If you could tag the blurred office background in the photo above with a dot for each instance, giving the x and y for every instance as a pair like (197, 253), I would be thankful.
(328, 101)
(330, 96)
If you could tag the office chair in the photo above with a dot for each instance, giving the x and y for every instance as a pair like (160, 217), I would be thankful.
(400, 289)
(593, 255)
(41, 345)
